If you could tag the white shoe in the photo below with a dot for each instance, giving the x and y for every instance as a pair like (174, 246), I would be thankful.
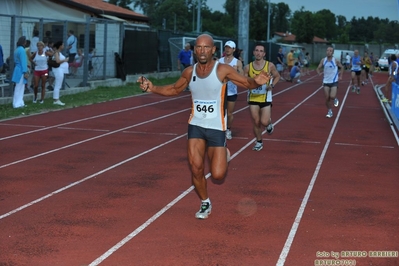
(329, 114)
(204, 211)
(228, 134)
(258, 146)
(58, 102)
(270, 128)
(336, 102)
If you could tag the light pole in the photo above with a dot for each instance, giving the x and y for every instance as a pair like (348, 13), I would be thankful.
(268, 30)
(199, 16)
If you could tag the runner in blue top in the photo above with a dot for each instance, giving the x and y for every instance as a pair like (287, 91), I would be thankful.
(356, 70)
(295, 73)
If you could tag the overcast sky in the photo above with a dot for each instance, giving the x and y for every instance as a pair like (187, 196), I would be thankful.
(348, 8)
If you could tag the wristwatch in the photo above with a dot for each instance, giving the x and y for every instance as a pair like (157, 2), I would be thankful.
(272, 85)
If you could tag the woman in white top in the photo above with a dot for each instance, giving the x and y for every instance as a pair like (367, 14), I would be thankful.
(60, 71)
(41, 70)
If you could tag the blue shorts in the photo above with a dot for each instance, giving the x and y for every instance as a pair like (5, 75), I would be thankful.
(213, 137)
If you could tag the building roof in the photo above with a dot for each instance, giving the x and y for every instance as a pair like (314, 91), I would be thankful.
(289, 37)
(99, 7)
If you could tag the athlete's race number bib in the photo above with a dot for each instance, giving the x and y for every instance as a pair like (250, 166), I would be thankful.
(205, 109)
(259, 90)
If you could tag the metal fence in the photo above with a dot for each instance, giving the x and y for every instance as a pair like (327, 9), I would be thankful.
(105, 37)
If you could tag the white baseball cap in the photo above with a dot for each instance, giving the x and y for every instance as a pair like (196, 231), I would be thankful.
(230, 44)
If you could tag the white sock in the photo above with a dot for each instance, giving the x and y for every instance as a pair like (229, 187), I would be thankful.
(207, 200)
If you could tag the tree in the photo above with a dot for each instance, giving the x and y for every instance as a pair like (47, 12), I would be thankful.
(258, 19)
(303, 26)
(122, 3)
(325, 24)
(149, 7)
(281, 13)
(172, 14)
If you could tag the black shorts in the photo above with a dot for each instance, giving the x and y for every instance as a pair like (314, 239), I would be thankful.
(366, 69)
(357, 72)
(232, 98)
(213, 137)
(71, 58)
(261, 105)
(330, 85)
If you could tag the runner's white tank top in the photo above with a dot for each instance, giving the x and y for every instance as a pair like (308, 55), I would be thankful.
(231, 87)
(208, 97)
(330, 71)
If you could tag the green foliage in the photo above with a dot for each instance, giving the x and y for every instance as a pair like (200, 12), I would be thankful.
(122, 3)
(303, 26)
(182, 16)
(258, 11)
(280, 12)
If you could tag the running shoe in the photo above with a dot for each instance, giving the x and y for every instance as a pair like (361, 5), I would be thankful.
(358, 90)
(258, 146)
(229, 134)
(353, 88)
(336, 102)
(385, 100)
(34, 101)
(41, 102)
(329, 114)
(58, 102)
(270, 128)
(204, 211)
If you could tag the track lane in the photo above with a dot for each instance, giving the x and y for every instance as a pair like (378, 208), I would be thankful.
(225, 232)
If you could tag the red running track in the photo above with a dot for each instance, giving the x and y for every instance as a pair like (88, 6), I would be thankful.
(109, 184)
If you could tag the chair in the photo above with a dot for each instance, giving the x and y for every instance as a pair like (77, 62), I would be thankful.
(3, 83)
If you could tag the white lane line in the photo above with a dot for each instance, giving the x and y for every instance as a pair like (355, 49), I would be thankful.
(150, 133)
(90, 139)
(142, 227)
(181, 196)
(84, 129)
(88, 178)
(358, 145)
(130, 236)
(295, 225)
(20, 125)
(89, 118)
(294, 141)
